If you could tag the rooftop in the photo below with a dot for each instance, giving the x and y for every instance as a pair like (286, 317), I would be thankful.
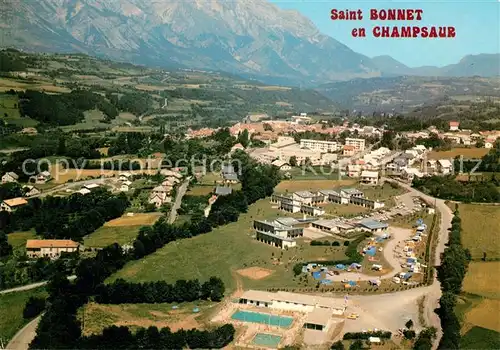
(223, 190)
(51, 243)
(373, 224)
(319, 316)
(230, 176)
(366, 173)
(14, 202)
(304, 194)
(351, 191)
(287, 221)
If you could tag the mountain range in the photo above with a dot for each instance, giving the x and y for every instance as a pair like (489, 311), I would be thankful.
(251, 38)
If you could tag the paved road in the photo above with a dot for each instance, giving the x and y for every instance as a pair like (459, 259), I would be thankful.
(30, 286)
(25, 336)
(181, 191)
(68, 185)
(434, 290)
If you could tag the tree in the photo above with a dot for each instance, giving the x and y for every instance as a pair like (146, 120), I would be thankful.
(34, 306)
(5, 247)
(243, 138)
(356, 345)
(293, 161)
(425, 339)
(480, 143)
(338, 345)
(409, 324)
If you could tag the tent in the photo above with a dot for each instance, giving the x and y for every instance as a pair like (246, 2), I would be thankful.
(196, 309)
(371, 251)
(379, 239)
(421, 227)
(305, 269)
(340, 266)
(316, 275)
(352, 283)
(325, 281)
(420, 222)
(354, 266)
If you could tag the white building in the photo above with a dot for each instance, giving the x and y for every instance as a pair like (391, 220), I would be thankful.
(281, 165)
(292, 302)
(12, 204)
(369, 177)
(41, 178)
(320, 146)
(51, 248)
(444, 166)
(358, 144)
(9, 177)
(31, 191)
(334, 226)
(276, 234)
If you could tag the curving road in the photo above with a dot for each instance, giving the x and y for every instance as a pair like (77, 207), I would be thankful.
(181, 191)
(25, 336)
(30, 286)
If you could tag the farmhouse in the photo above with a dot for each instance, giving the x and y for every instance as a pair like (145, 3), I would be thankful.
(10, 177)
(369, 177)
(372, 226)
(31, 191)
(281, 165)
(52, 248)
(277, 234)
(12, 204)
(293, 302)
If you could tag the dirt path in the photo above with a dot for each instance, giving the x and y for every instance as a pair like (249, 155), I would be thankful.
(29, 286)
(239, 285)
(178, 200)
(25, 336)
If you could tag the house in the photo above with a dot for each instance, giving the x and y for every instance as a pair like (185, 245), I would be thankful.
(10, 177)
(369, 177)
(159, 198)
(431, 165)
(41, 178)
(91, 187)
(281, 165)
(409, 174)
(84, 191)
(236, 147)
(348, 151)
(229, 175)
(125, 186)
(12, 204)
(353, 170)
(51, 248)
(444, 166)
(372, 226)
(454, 125)
(334, 226)
(124, 176)
(30, 191)
(223, 190)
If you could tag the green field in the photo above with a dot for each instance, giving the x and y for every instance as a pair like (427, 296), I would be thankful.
(225, 250)
(315, 173)
(107, 235)
(18, 239)
(480, 230)
(480, 338)
(11, 311)
(9, 112)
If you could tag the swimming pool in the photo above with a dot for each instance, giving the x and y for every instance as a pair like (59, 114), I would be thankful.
(269, 340)
(257, 317)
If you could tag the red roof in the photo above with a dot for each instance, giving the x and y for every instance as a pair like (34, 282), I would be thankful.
(454, 123)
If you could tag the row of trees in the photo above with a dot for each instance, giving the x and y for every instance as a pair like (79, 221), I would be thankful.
(121, 291)
(446, 187)
(66, 217)
(451, 272)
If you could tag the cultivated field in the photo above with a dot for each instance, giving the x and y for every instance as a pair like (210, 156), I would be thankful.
(311, 185)
(99, 316)
(11, 311)
(18, 239)
(136, 219)
(61, 175)
(224, 251)
(480, 229)
(466, 152)
(485, 315)
(483, 279)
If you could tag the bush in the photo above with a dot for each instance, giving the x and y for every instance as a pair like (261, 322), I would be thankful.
(346, 243)
(336, 244)
(34, 307)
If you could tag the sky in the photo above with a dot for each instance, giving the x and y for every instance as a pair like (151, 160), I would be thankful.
(477, 24)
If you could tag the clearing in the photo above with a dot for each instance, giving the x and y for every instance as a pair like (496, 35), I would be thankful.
(480, 338)
(466, 152)
(12, 304)
(483, 279)
(480, 230)
(136, 219)
(255, 273)
(18, 239)
(485, 315)
(107, 235)
(224, 250)
(174, 316)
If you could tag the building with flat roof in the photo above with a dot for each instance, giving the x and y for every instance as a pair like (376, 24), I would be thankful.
(320, 146)
(369, 177)
(276, 234)
(294, 302)
(358, 144)
(373, 226)
(367, 203)
(335, 226)
(318, 319)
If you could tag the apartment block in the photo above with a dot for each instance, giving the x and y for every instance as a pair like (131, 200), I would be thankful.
(358, 144)
(321, 146)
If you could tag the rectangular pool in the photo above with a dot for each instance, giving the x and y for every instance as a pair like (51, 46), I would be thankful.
(269, 340)
(257, 317)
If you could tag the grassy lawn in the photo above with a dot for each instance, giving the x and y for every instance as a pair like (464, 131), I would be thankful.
(11, 311)
(200, 190)
(344, 210)
(466, 152)
(382, 193)
(107, 235)
(480, 338)
(100, 316)
(18, 239)
(210, 179)
(480, 229)
(315, 173)
(225, 250)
